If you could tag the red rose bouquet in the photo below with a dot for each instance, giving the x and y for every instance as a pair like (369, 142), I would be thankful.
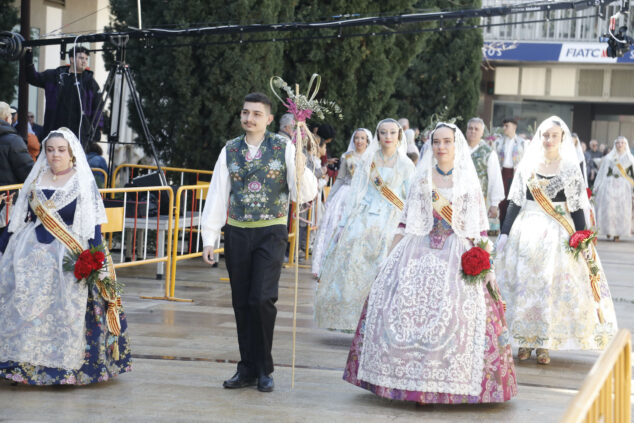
(476, 263)
(589, 192)
(579, 241)
(87, 267)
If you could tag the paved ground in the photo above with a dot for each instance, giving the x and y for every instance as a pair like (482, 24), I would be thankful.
(183, 351)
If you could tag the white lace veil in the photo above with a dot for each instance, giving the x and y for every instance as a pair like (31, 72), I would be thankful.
(89, 210)
(581, 158)
(626, 159)
(351, 146)
(469, 216)
(361, 178)
(568, 169)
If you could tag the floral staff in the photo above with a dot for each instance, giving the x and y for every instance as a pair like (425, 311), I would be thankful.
(302, 108)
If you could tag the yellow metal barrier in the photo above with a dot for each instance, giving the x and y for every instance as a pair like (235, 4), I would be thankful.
(193, 223)
(162, 224)
(181, 170)
(605, 395)
(104, 173)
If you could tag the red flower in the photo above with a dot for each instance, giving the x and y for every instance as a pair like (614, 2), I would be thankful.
(475, 261)
(83, 268)
(578, 237)
(99, 258)
(589, 192)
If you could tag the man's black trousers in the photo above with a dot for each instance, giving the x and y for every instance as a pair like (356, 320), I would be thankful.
(254, 258)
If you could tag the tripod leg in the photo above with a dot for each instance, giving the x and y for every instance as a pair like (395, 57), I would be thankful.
(146, 130)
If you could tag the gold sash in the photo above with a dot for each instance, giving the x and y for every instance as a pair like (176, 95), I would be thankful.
(61, 232)
(385, 191)
(441, 205)
(624, 174)
(547, 205)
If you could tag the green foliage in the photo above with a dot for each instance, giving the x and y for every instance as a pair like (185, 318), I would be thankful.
(444, 78)
(8, 69)
(192, 95)
(359, 73)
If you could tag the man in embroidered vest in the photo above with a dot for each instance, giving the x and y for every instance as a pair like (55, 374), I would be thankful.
(487, 167)
(249, 190)
(510, 148)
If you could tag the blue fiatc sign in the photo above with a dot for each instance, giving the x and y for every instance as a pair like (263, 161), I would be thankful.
(551, 52)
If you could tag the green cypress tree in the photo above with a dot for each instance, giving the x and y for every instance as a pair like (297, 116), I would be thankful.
(359, 73)
(192, 95)
(8, 69)
(444, 78)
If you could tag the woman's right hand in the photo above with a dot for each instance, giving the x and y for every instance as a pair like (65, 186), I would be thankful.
(501, 242)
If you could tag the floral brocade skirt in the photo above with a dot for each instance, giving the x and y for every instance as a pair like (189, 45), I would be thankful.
(100, 362)
(498, 379)
(549, 298)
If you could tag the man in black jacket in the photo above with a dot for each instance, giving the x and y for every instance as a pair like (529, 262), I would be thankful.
(64, 107)
(15, 161)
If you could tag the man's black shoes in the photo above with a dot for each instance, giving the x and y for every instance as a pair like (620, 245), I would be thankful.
(239, 381)
(265, 383)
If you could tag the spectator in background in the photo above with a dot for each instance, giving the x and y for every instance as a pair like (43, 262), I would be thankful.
(404, 122)
(327, 133)
(64, 107)
(96, 160)
(15, 161)
(603, 149)
(287, 126)
(37, 129)
(32, 141)
(592, 164)
(510, 149)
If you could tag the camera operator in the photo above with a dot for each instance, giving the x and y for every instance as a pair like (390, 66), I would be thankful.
(64, 107)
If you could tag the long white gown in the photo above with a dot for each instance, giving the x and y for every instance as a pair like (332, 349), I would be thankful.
(548, 294)
(613, 196)
(337, 199)
(351, 263)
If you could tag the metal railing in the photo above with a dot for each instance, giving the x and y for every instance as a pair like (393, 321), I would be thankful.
(137, 169)
(605, 395)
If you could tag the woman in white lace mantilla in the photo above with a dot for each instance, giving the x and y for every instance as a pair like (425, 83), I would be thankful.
(339, 194)
(613, 191)
(549, 296)
(53, 328)
(425, 334)
(379, 187)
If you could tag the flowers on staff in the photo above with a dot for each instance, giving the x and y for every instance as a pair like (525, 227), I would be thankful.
(303, 106)
(87, 266)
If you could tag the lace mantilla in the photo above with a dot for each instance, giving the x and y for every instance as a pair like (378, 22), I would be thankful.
(425, 328)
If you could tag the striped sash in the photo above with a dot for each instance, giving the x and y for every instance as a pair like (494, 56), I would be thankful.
(441, 205)
(385, 191)
(62, 233)
(624, 174)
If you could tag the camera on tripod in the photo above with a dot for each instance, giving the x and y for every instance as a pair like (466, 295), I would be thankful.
(619, 43)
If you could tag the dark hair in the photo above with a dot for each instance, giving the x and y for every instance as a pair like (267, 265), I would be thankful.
(258, 98)
(93, 147)
(326, 131)
(442, 125)
(509, 120)
(74, 51)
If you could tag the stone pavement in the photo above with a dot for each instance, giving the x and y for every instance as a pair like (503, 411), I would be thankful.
(183, 351)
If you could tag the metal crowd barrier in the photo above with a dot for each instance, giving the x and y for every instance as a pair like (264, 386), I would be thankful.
(139, 213)
(187, 221)
(103, 172)
(136, 168)
(605, 395)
